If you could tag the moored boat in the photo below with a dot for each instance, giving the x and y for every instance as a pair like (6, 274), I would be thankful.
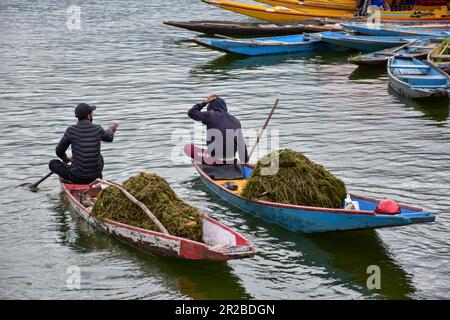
(329, 6)
(383, 30)
(365, 43)
(312, 219)
(416, 49)
(418, 14)
(282, 13)
(250, 29)
(414, 78)
(304, 7)
(264, 46)
(220, 242)
(274, 14)
(440, 56)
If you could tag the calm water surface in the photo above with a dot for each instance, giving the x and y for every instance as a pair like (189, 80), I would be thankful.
(145, 76)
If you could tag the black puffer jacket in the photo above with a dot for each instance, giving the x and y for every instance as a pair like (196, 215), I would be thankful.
(85, 139)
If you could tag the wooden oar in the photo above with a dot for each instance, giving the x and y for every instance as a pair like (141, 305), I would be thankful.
(135, 201)
(263, 128)
(405, 45)
(34, 186)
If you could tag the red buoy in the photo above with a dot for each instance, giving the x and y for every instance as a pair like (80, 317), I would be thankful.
(388, 206)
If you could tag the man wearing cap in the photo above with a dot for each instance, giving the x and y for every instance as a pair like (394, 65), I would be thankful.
(85, 139)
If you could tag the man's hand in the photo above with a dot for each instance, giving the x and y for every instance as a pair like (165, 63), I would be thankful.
(113, 126)
(211, 98)
(67, 160)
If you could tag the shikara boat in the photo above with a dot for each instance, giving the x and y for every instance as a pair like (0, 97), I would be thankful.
(264, 46)
(250, 29)
(414, 78)
(419, 14)
(365, 43)
(220, 242)
(399, 31)
(416, 49)
(304, 7)
(273, 14)
(311, 219)
(440, 56)
(330, 6)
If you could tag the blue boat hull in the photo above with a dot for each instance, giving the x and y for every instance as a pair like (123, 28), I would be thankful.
(315, 220)
(395, 31)
(366, 43)
(264, 46)
(416, 79)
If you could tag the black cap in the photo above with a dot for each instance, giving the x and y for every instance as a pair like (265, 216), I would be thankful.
(83, 109)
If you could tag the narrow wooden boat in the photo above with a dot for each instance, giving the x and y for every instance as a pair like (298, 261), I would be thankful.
(331, 6)
(440, 56)
(414, 78)
(264, 46)
(365, 43)
(220, 242)
(416, 49)
(281, 13)
(274, 14)
(250, 29)
(311, 219)
(304, 7)
(383, 30)
(419, 14)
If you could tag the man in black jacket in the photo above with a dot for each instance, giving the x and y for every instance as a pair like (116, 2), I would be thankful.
(85, 139)
(224, 134)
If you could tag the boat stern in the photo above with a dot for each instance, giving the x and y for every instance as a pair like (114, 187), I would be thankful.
(224, 243)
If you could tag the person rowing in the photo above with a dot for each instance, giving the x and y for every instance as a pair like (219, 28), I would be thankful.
(85, 137)
(224, 135)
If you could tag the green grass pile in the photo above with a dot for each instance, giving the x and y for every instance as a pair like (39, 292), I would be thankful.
(179, 218)
(298, 181)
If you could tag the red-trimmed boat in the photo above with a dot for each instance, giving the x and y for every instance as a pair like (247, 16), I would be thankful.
(311, 219)
(219, 241)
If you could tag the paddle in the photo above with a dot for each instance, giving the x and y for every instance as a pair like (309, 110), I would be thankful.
(405, 45)
(33, 186)
(263, 128)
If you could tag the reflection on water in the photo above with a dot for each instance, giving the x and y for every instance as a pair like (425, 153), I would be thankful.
(367, 72)
(227, 62)
(194, 279)
(350, 253)
(436, 109)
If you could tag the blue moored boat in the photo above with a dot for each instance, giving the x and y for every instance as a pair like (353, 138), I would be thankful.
(417, 48)
(311, 219)
(395, 31)
(365, 43)
(264, 46)
(414, 78)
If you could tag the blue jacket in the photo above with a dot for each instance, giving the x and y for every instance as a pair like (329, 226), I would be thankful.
(217, 117)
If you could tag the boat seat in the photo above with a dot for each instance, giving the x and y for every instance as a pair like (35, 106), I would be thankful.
(424, 80)
(408, 66)
(433, 86)
(223, 172)
(424, 77)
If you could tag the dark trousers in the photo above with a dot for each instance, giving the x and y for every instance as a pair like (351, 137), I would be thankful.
(63, 170)
(201, 156)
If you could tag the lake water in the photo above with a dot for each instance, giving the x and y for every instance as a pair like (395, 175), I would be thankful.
(146, 75)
